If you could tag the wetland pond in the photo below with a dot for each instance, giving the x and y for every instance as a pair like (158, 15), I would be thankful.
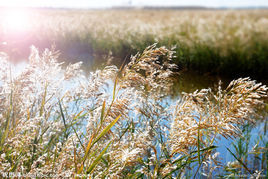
(252, 135)
(188, 82)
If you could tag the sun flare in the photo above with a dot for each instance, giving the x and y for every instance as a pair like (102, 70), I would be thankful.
(16, 20)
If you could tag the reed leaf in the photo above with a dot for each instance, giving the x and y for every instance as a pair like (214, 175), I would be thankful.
(106, 130)
(96, 161)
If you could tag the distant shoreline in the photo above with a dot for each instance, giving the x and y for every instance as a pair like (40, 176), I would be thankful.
(187, 7)
(146, 8)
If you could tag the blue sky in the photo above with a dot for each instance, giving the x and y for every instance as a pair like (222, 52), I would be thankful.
(109, 3)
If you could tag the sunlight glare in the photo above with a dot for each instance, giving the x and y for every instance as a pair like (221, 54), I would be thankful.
(16, 20)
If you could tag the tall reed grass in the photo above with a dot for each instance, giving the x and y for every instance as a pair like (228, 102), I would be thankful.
(117, 123)
(225, 42)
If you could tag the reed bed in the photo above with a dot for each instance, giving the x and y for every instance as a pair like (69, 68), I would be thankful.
(118, 122)
(225, 42)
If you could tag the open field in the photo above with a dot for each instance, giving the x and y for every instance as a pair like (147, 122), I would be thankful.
(225, 42)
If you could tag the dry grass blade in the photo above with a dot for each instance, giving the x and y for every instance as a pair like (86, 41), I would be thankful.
(89, 145)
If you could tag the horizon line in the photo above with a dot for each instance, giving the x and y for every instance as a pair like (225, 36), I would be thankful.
(142, 7)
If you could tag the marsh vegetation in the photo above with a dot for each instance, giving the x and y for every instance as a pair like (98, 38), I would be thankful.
(230, 43)
(125, 118)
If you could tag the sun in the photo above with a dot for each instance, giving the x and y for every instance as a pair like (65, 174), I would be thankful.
(16, 20)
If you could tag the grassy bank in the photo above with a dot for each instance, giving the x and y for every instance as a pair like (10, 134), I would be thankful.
(225, 42)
